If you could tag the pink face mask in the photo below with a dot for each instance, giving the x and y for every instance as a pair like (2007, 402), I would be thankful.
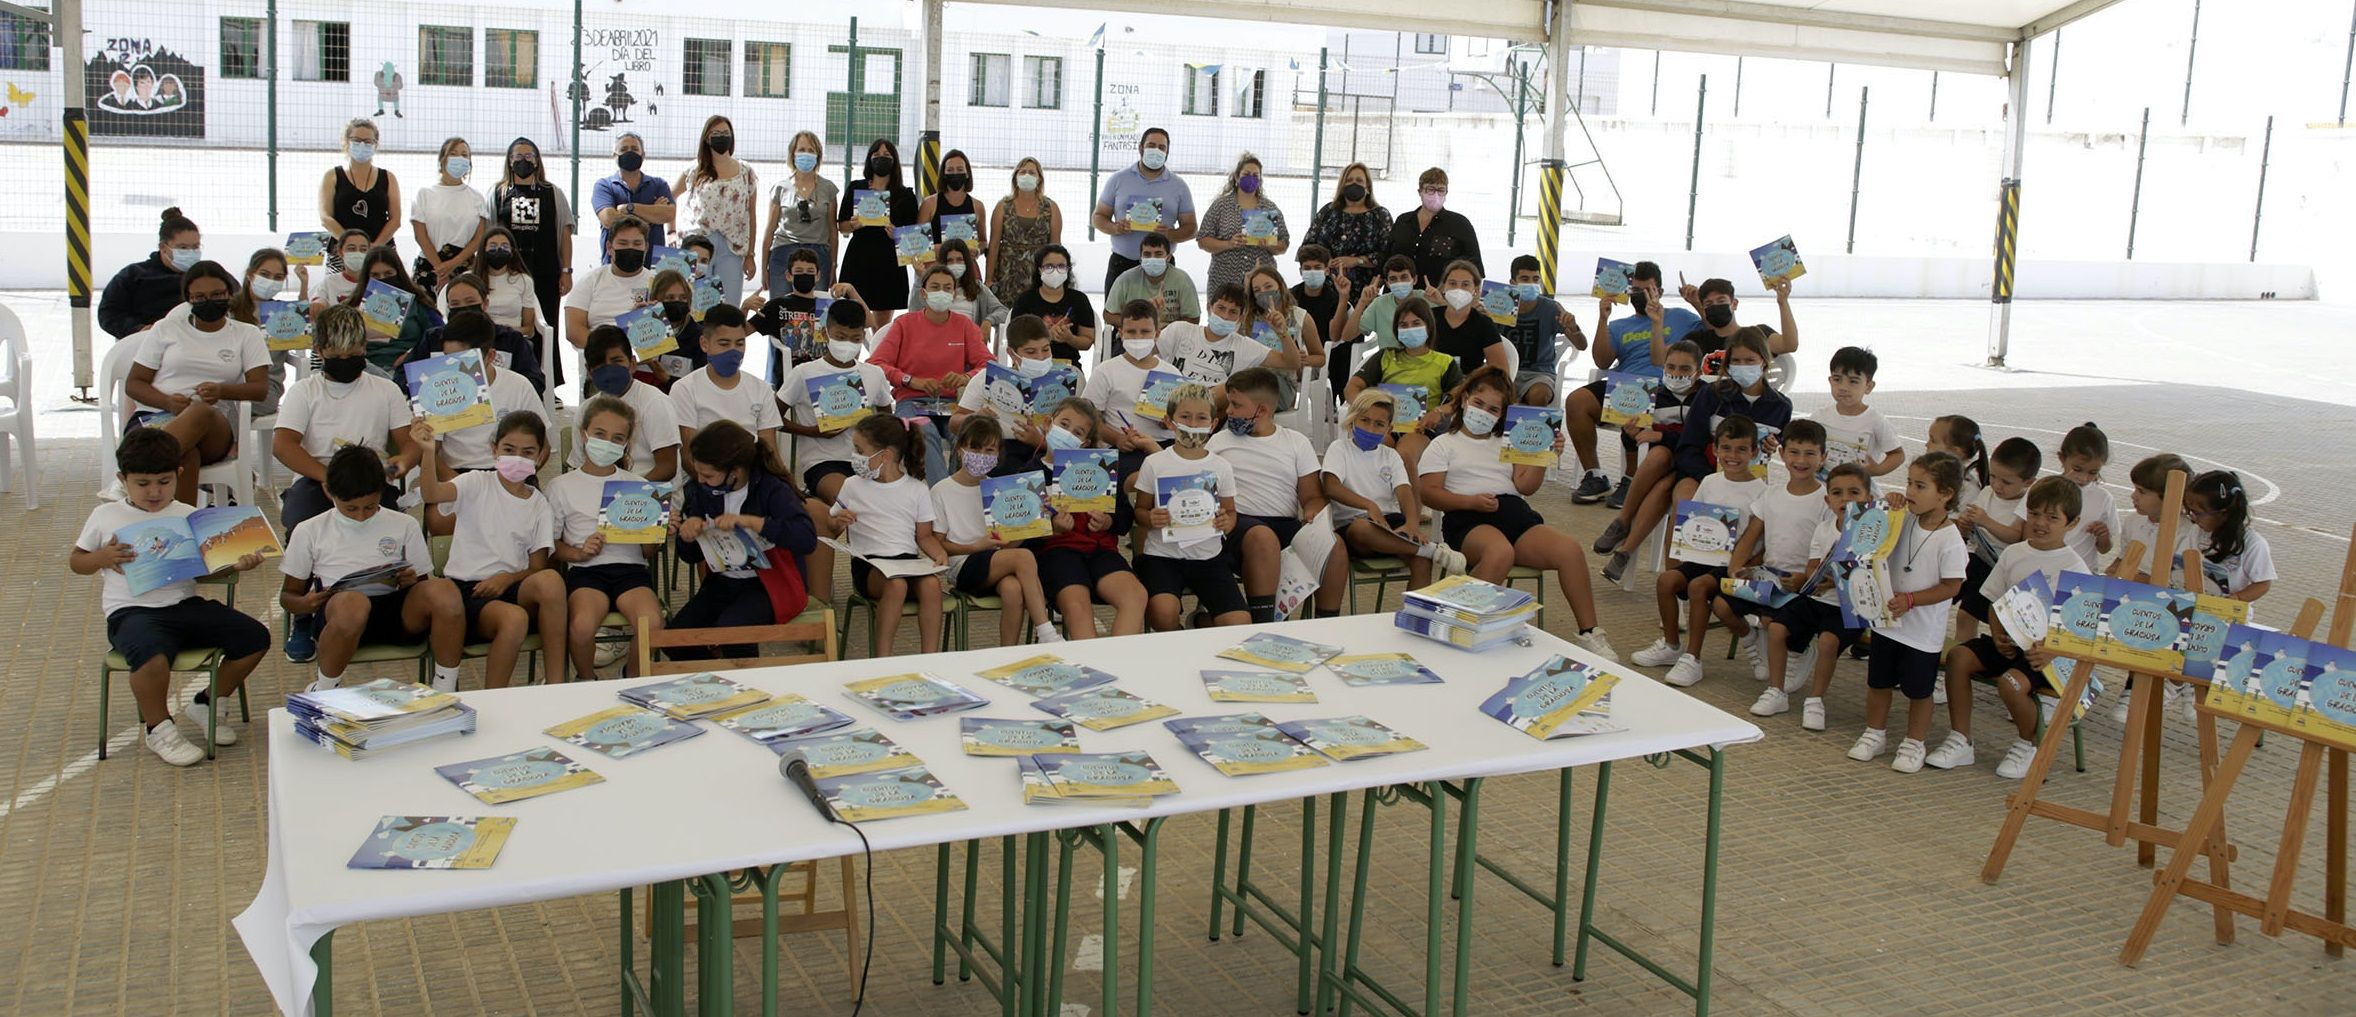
(517, 469)
(1432, 202)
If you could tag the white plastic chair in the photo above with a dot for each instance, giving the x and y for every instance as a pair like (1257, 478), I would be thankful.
(235, 472)
(16, 408)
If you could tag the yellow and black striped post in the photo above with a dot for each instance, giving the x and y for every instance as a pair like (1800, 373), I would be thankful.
(1550, 173)
(2008, 221)
(77, 237)
(928, 162)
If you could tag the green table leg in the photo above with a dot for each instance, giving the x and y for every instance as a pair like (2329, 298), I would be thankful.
(1467, 842)
(323, 989)
(629, 957)
(1341, 981)
(770, 880)
(965, 926)
(1435, 881)
(1699, 987)
(1035, 959)
(941, 915)
(1561, 905)
(1218, 875)
(1012, 976)
(1065, 840)
(1603, 798)
(1243, 860)
(1149, 847)
(1335, 805)
(715, 934)
(1112, 926)
(1308, 905)
(667, 952)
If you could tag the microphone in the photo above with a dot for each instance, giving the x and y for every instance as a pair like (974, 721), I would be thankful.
(795, 768)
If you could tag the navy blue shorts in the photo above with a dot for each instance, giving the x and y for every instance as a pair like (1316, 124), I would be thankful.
(1211, 581)
(1061, 567)
(821, 471)
(475, 605)
(1284, 527)
(1971, 600)
(1513, 518)
(1890, 664)
(974, 576)
(612, 580)
(142, 634)
(1805, 618)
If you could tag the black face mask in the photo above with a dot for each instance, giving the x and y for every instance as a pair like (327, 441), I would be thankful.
(630, 161)
(1718, 315)
(956, 181)
(208, 311)
(1638, 300)
(498, 257)
(804, 282)
(1353, 192)
(882, 166)
(343, 370)
(676, 310)
(721, 143)
(522, 168)
(629, 259)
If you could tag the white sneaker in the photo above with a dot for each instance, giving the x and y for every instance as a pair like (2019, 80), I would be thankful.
(1045, 632)
(1594, 641)
(1772, 701)
(194, 714)
(609, 654)
(2016, 760)
(1939, 693)
(322, 684)
(1686, 673)
(1954, 753)
(1812, 714)
(165, 741)
(1909, 757)
(1448, 561)
(2178, 700)
(1869, 745)
(1754, 646)
(1659, 654)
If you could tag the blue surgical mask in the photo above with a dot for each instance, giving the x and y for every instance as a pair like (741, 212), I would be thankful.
(1218, 326)
(805, 161)
(1525, 292)
(1154, 266)
(726, 362)
(1313, 278)
(185, 258)
(1153, 158)
(1399, 291)
(458, 166)
(1412, 337)
(1745, 375)
(1478, 421)
(1241, 427)
(362, 151)
(611, 379)
(602, 452)
(1367, 441)
(1063, 440)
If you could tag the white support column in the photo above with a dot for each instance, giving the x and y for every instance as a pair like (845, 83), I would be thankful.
(2008, 209)
(1558, 80)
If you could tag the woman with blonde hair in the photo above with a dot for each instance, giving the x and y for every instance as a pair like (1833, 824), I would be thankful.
(1023, 222)
(801, 217)
(1243, 229)
(358, 195)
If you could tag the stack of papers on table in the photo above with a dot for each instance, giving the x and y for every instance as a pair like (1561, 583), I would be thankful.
(887, 794)
(695, 696)
(376, 716)
(911, 696)
(1094, 778)
(1466, 612)
(778, 720)
(1241, 744)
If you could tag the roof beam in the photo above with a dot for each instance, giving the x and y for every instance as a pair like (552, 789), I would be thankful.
(2062, 17)
(1807, 17)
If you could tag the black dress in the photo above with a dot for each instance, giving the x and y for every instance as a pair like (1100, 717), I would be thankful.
(871, 264)
(536, 215)
(366, 210)
(1450, 237)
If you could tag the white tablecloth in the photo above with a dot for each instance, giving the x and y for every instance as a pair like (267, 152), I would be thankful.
(715, 802)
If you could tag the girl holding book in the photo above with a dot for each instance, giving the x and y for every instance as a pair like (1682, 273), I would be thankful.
(1171, 569)
(889, 516)
(1487, 517)
(981, 564)
(1083, 557)
(1412, 362)
(383, 265)
(1374, 506)
(499, 553)
(742, 491)
(600, 578)
(1926, 571)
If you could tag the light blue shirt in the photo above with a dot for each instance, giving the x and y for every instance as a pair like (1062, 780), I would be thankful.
(1632, 339)
(1127, 186)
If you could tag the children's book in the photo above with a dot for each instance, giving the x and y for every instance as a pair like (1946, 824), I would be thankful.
(993, 736)
(1193, 502)
(1778, 262)
(1259, 228)
(622, 731)
(1866, 594)
(1474, 640)
(844, 753)
(1363, 669)
(1529, 435)
(433, 842)
(2327, 707)
(1046, 675)
(733, 549)
(799, 331)
(2024, 614)
(517, 776)
(1153, 398)
(888, 794)
(787, 716)
(1084, 479)
(1549, 701)
(650, 335)
(2204, 635)
(871, 208)
(1003, 391)
(913, 244)
(964, 227)
(1283, 653)
(1143, 214)
(450, 391)
(1704, 534)
(286, 325)
(694, 696)
(1627, 399)
(1266, 335)
(2146, 626)
(1257, 687)
(1760, 457)
(1243, 744)
(1408, 412)
(1465, 600)
(1103, 708)
(1498, 303)
(1300, 567)
(890, 568)
(373, 582)
(306, 247)
(633, 512)
(703, 295)
(1039, 789)
(383, 306)
(170, 549)
(1760, 585)
(1132, 774)
(1342, 739)
(839, 399)
(911, 696)
(374, 703)
(1873, 534)
(2278, 676)
(1611, 280)
(2074, 627)
(665, 258)
(1048, 391)
(2234, 679)
(1015, 506)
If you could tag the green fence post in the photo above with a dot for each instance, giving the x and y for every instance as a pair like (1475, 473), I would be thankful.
(270, 87)
(851, 83)
(1317, 154)
(1096, 141)
(1521, 106)
(578, 88)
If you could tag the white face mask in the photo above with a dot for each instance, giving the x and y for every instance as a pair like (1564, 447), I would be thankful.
(1032, 368)
(1053, 278)
(843, 352)
(1458, 299)
(266, 288)
(956, 269)
(1137, 349)
(1677, 385)
(1478, 421)
(1027, 181)
(938, 300)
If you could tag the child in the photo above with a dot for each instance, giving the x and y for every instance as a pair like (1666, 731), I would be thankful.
(1959, 436)
(1538, 321)
(2083, 453)
(350, 254)
(1783, 523)
(469, 449)
(822, 457)
(2051, 507)
(787, 316)
(1811, 623)
(1991, 522)
(1374, 507)
(740, 486)
(1412, 362)
(1743, 391)
(719, 390)
(599, 578)
(980, 563)
(1170, 570)
(2234, 558)
(1213, 351)
(889, 516)
(654, 443)
(499, 559)
(1853, 431)
(1647, 500)
(190, 364)
(1083, 554)
(1734, 487)
(1487, 518)
(1378, 304)
(151, 628)
(357, 536)
(1276, 493)
(1031, 354)
(1114, 386)
(1926, 572)
(511, 300)
(673, 294)
(2149, 478)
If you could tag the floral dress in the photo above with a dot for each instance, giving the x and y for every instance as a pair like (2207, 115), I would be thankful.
(724, 207)
(1361, 234)
(1021, 237)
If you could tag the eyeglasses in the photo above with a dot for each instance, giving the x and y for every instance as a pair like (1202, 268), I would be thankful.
(1435, 190)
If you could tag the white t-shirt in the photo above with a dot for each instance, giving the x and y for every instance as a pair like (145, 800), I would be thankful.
(1168, 463)
(326, 548)
(511, 292)
(1114, 386)
(497, 531)
(1984, 544)
(1716, 489)
(810, 450)
(573, 500)
(185, 356)
(1866, 437)
(2019, 559)
(888, 514)
(2134, 527)
(1788, 521)
(607, 295)
(2255, 564)
(1470, 463)
(958, 518)
(335, 286)
(1268, 470)
(1828, 533)
(1210, 361)
(698, 401)
(328, 416)
(657, 429)
(450, 212)
(1921, 560)
(114, 589)
(2098, 507)
(470, 448)
(1376, 475)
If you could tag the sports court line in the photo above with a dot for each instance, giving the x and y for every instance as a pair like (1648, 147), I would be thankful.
(122, 740)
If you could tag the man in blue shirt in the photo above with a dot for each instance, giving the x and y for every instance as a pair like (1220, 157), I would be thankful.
(1148, 178)
(629, 193)
(1538, 320)
(1633, 345)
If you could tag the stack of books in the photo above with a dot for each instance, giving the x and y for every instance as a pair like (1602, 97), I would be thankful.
(694, 697)
(1467, 613)
(1129, 779)
(376, 716)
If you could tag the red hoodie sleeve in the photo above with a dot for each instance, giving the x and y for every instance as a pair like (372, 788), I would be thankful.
(887, 355)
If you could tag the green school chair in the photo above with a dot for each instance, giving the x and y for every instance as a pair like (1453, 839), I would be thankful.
(193, 661)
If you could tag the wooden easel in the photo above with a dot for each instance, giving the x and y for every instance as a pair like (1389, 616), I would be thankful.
(2273, 911)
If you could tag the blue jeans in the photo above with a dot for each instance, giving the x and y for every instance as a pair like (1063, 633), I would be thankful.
(727, 267)
(935, 430)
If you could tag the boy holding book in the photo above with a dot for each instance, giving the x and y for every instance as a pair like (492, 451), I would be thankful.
(1732, 487)
(1782, 519)
(718, 390)
(1277, 491)
(1170, 569)
(151, 628)
(1812, 622)
(361, 536)
(2048, 512)
(1853, 431)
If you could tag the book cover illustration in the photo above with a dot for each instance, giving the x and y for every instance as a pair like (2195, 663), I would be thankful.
(1408, 406)
(2023, 615)
(1153, 398)
(634, 512)
(1107, 775)
(2235, 679)
(1004, 392)
(171, 549)
(1016, 506)
(512, 778)
(910, 696)
(1498, 303)
(382, 699)
(622, 731)
(966, 227)
(650, 335)
(1760, 585)
(703, 295)
(1049, 390)
(1541, 703)
(1529, 435)
(1472, 601)
(871, 208)
(1257, 687)
(2144, 627)
(1611, 280)
(995, 736)
(373, 582)
(433, 842)
(1143, 214)
(306, 247)
(2075, 626)
(1627, 399)
(1283, 653)
(912, 244)
(839, 399)
(1084, 479)
(1778, 261)
(1761, 457)
(2280, 676)
(733, 550)
(450, 391)
(1873, 535)
(2329, 713)
(1704, 534)
(888, 794)
(787, 716)
(1103, 708)
(1046, 675)
(1360, 670)
(383, 306)
(665, 258)
(1193, 502)
(286, 325)
(1259, 228)
(863, 750)
(1342, 739)
(1242, 744)
(2204, 634)
(1266, 335)
(694, 696)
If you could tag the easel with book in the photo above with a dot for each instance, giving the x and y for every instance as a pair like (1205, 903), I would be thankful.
(2324, 743)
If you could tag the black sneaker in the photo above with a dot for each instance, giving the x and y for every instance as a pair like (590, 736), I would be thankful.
(1592, 488)
(1619, 496)
(1616, 567)
(1610, 540)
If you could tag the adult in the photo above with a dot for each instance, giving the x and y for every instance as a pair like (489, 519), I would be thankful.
(265, 279)
(1538, 321)
(539, 219)
(1071, 321)
(383, 264)
(929, 356)
(1243, 229)
(632, 193)
(1125, 211)
(358, 195)
(1354, 228)
(724, 191)
(613, 289)
(1461, 329)
(195, 357)
(1433, 235)
(1636, 345)
(871, 262)
(954, 198)
(448, 218)
(1714, 301)
(800, 219)
(1156, 281)
(1024, 222)
(142, 292)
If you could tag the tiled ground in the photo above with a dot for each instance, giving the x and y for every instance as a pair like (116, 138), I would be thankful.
(1846, 889)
